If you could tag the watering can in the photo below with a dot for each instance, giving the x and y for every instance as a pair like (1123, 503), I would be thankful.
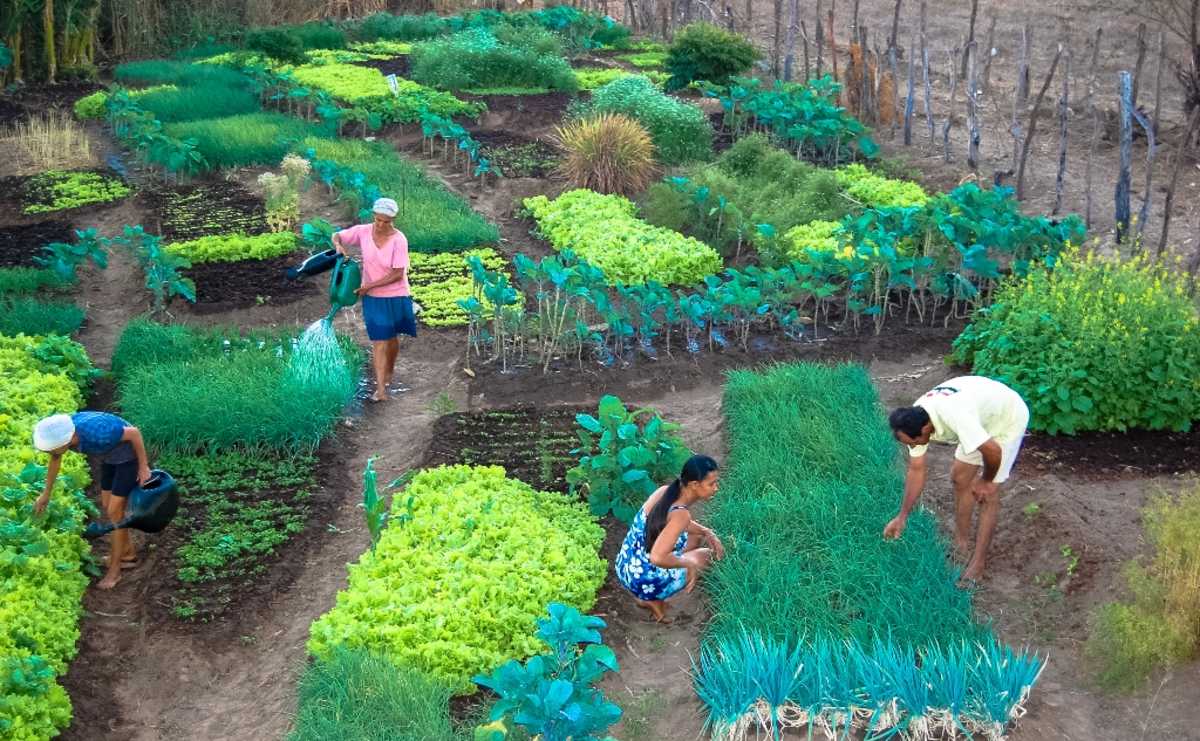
(314, 265)
(150, 507)
(345, 280)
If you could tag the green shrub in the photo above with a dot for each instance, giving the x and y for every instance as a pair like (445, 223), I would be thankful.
(468, 561)
(34, 317)
(401, 27)
(605, 231)
(239, 394)
(1160, 625)
(202, 100)
(58, 190)
(359, 696)
(277, 44)
(680, 131)
(431, 217)
(752, 183)
(317, 35)
(235, 247)
(702, 51)
(247, 139)
(17, 281)
(90, 107)
(624, 455)
(1093, 344)
(478, 59)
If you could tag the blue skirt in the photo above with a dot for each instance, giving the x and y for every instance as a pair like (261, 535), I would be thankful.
(387, 317)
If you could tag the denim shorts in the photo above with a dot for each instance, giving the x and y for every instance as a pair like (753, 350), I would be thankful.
(387, 317)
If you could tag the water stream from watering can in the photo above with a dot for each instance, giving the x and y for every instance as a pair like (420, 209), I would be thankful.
(317, 361)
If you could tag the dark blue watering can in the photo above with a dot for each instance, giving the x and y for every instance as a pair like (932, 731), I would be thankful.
(149, 508)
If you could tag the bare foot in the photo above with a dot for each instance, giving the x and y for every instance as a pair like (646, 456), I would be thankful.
(971, 576)
(378, 397)
(110, 580)
(658, 609)
(962, 549)
(126, 563)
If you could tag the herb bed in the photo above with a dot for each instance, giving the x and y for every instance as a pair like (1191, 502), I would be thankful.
(533, 444)
(204, 209)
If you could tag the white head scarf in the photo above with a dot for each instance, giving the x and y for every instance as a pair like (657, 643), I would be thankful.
(53, 432)
(386, 207)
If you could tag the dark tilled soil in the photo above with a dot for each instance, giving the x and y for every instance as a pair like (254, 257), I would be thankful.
(398, 66)
(533, 444)
(526, 113)
(1099, 455)
(20, 244)
(227, 285)
(182, 212)
(517, 156)
(36, 99)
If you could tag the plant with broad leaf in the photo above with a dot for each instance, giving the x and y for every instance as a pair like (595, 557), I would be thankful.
(551, 696)
(623, 457)
(64, 259)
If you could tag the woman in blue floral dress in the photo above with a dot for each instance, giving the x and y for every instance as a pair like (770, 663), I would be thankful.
(662, 552)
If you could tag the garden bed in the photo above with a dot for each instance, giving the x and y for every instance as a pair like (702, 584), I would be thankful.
(235, 285)
(1104, 454)
(20, 244)
(521, 112)
(532, 443)
(398, 66)
(203, 209)
(517, 156)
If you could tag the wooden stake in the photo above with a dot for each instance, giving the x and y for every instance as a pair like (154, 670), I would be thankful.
(1124, 174)
(832, 41)
(1094, 114)
(1142, 48)
(970, 36)
(892, 40)
(1180, 158)
(804, 37)
(1152, 136)
(954, 57)
(820, 42)
(973, 135)
(988, 53)
(925, 74)
(909, 99)
(1033, 119)
(1023, 67)
(1063, 112)
(792, 31)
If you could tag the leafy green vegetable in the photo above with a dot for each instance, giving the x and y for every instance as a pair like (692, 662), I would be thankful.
(56, 190)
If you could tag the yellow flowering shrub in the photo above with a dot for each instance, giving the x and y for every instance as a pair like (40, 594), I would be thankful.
(1093, 344)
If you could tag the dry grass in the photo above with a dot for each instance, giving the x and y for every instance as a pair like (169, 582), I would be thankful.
(52, 140)
(607, 153)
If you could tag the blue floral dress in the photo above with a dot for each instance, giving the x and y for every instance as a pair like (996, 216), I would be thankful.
(643, 579)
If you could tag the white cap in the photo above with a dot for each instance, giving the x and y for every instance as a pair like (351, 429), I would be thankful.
(53, 432)
(386, 207)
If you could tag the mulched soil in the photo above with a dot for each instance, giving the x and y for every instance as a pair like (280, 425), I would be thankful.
(26, 101)
(533, 444)
(517, 156)
(20, 244)
(1098, 455)
(398, 66)
(182, 212)
(521, 112)
(221, 286)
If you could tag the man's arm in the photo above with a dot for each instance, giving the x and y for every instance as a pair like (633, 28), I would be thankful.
(992, 454)
(52, 469)
(133, 436)
(914, 484)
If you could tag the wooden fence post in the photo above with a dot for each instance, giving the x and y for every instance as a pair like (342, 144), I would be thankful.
(970, 36)
(1064, 110)
(988, 53)
(1033, 119)
(789, 59)
(1094, 114)
(1123, 174)
(820, 42)
(910, 98)
(1180, 157)
(1142, 48)
(925, 73)
(973, 135)
(1023, 66)
(954, 56)
(1152, 136)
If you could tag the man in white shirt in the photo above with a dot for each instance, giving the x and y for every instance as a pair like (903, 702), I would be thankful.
(987, 421)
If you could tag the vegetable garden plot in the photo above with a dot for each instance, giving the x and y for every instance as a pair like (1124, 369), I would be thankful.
(238, 512)
(440, 281)
(20, 244)
(204, 209)
(517, 156)
(398, 66)
(824, 623)
(532, 444)
(59, 190)
(221, 286)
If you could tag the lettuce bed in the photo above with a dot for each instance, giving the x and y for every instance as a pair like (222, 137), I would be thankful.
(235, 247)
(367, 86)
(40, 557)
(468, 562)
(606, 232)
(438, 282)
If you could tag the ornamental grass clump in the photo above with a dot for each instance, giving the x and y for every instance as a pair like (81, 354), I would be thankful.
(1159, 624)
(607, 153)
(1093, 343)
(468, 561)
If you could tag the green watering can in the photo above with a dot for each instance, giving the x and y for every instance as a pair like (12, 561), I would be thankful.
(343, 282)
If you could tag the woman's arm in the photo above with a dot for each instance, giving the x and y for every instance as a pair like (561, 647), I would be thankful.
(51, 476)
(394, 275)
(133, 436)
(700, 531)
(340, 244)
(662, 552)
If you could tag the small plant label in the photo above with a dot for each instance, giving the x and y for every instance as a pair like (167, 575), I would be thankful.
(393, 84)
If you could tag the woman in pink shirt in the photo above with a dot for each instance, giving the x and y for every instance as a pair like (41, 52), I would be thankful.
(386, 299)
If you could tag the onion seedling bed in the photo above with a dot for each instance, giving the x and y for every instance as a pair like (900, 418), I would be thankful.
(533, 444)
(203, 209)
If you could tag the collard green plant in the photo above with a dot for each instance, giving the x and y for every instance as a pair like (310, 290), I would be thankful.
(624, 455)
(702, 51)
(65, 259)
(551, 696)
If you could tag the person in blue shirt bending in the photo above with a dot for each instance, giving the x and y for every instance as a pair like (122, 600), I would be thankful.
(123, 465)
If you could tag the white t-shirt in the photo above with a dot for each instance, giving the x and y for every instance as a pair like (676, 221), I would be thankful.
(969, 410)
